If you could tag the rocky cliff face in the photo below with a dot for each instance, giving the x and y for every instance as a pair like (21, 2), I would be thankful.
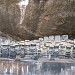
(37, 19)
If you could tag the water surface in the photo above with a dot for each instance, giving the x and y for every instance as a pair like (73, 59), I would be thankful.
(31, 68)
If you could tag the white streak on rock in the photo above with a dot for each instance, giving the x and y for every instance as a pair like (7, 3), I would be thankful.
(22, 5)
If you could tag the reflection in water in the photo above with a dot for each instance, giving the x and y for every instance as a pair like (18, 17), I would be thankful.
(13, 68)
(25, 68)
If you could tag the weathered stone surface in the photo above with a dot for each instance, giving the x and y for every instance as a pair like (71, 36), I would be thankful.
(42, 18)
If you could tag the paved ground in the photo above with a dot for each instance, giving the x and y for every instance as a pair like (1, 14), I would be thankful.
(43, 59)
